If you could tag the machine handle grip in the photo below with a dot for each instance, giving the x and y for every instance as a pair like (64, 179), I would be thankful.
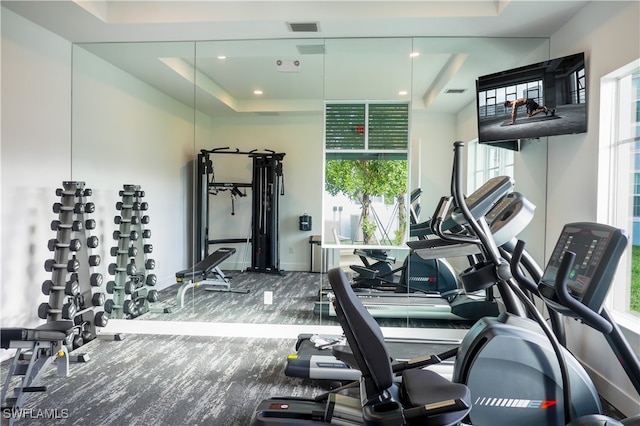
(517, 273)
(562, 291)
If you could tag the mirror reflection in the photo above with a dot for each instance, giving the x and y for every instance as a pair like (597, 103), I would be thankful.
(196, 126)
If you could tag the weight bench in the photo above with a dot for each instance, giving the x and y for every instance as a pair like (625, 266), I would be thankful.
(207, 272)
(37, 348)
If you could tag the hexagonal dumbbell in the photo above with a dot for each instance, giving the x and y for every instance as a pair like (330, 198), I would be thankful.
(71, 288)
(151, 280)
(128, 307)
(71, 266)
(130, 269)
(76, 225)
(92, 242)
(98, 299)
(101, 319)
(73, 245)
(96, 279)
(68, 310)
(130, 252)
(76, 208)
(129, 287)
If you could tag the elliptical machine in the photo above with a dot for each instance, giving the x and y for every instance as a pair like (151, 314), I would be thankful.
(515, 367)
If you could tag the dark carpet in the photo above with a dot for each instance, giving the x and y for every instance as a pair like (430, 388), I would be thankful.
(167, 380)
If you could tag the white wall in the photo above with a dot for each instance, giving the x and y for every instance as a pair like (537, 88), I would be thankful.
(609, 34)
(127, 132)
(35, 158)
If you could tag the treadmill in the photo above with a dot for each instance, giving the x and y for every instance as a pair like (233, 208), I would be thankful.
(506, 212)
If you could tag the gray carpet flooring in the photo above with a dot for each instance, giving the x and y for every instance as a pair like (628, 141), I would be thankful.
(190, 380)
(167, 380)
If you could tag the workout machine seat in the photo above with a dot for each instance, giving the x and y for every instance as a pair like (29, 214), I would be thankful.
(207, 272)
(49, 332)
(423, 396)
(36, 349)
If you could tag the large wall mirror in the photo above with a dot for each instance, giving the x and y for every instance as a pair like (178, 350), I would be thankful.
(148, 114)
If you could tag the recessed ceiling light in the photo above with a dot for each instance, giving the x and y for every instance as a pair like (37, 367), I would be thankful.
(414, 54)
(257, 92)
(402, 92)
(221, 57)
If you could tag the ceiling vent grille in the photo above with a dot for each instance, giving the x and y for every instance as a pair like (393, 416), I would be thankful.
(303, 27)
(455, 91)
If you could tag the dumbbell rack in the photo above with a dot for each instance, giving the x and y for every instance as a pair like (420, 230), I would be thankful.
(74, 290)
(130, 290)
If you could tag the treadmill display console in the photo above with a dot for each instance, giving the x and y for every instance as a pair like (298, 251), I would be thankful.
(598, 249)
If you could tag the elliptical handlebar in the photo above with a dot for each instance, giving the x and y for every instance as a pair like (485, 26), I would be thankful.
(442, 211)
(516, 258)
(562, 291)
(482, 232)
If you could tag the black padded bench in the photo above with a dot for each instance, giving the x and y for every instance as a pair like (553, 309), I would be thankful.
(36, 349)
(207, 272)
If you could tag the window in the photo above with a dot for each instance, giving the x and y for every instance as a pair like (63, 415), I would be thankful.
(620, 181)
(485, 162)
(366, 173)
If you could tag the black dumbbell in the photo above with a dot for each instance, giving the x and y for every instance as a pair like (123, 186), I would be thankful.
(131, 251)
(101, 319)
(151, 280)
(75, 226)
(97, 299)
(146, 233)
(96, 279)
(92, 242)
(87, 192)
(76, 208)
(153, 296)
(71, 266)
(94, 260)
(122, 206)
(89, 207)
(150, 264)
(130, 269)
(73, 245)
(145, 219)
(68, 310)
(90, 224)
(128, 307)
(71, 288)
(133, 235)
(129, 287)
(60, 192)
(148, 248)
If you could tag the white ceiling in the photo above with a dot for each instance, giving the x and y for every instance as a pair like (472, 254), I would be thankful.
(349, 69)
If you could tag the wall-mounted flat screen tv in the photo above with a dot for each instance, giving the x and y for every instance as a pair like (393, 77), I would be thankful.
(544, 99)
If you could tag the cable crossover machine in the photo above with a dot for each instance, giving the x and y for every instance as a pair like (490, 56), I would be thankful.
(267, 185)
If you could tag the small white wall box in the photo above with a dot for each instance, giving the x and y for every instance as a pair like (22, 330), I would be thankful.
(288, 66)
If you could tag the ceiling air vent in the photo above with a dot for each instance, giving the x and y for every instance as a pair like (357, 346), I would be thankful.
(455, 91)
(303, 27)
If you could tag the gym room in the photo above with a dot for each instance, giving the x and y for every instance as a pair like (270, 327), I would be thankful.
(253, 212)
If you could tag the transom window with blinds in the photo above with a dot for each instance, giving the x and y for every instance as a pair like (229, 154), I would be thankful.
(366, 172)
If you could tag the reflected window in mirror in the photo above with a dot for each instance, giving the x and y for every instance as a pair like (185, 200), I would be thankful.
(366, 173)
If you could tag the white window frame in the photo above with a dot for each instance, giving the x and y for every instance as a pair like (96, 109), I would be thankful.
(406, 152)
(618, 132)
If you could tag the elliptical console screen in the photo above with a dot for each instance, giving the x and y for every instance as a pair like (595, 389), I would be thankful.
(598, 249)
